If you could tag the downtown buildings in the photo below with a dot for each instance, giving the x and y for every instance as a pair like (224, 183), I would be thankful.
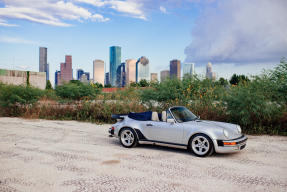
(188, 69)
(164, 75)
(142, 69)
(115, 62)
(130, 71)
(209, 73)
(174, 69)
(66, 72)
(43, 64)
(99, 72)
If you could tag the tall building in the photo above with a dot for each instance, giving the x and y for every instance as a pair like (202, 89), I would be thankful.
(164, 75)
(188, 69)
(80, 72)
(66, 70)
(99, 71)
(115, 62)
(43, 64)
(107, 78)
(121, 75)
(209, 73)
(153, 77)
(57, 77)
(130, 71)
(142, 69)
(85, 78)
(174, 69)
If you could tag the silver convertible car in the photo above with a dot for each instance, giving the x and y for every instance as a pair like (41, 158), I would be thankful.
(178, 126)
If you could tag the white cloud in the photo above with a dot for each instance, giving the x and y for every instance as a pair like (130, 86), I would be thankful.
(133, 8)
(243, 31)
(17, 40)
(162, 9)
(5, 24)
(50, 12)
(99, 18)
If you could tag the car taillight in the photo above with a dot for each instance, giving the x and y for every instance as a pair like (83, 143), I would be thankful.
(113, 128)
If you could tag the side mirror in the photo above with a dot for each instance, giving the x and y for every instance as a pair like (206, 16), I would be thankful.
(170, 121)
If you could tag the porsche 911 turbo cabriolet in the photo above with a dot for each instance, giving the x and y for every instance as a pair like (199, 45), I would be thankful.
(178, 126)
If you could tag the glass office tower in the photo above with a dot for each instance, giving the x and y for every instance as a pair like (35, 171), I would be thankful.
(188, 69)
(115, 62)
(142, 69)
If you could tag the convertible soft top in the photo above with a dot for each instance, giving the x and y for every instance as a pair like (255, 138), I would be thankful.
(144, 116)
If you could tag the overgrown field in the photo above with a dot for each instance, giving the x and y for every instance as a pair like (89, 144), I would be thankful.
(258, 104)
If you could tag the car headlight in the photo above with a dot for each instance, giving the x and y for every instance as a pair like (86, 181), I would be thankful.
(225, 132)
(239, 129)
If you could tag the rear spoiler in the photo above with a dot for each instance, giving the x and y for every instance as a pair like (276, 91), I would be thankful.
(118, 116)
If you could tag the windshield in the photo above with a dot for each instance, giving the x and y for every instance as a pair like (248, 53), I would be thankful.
(182, 114)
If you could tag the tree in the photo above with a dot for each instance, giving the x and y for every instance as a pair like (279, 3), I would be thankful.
(134, 84)
(98, 85)
(48, 85)
(222, 81)
(143, 83)
(236, 79)
(108, 86)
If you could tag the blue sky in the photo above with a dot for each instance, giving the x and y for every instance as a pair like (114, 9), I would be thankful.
(228, 33)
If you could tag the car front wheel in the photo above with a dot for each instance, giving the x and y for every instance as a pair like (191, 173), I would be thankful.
(201, 145)
(128, 138)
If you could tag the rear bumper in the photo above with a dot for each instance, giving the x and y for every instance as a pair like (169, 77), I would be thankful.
(111, 131)
(230, 146)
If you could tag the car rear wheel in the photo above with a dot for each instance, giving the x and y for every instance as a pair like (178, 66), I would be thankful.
(128, 138)
(201, 145)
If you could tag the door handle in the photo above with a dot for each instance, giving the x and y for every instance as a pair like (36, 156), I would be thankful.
(149, 125)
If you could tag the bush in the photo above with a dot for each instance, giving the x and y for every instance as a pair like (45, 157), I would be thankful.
(11, 95)
(76, 91)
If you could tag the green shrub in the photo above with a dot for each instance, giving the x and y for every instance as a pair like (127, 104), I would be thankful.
(23, 95)
(76, 91)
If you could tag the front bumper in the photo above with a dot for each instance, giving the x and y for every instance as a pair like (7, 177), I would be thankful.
(229, 146)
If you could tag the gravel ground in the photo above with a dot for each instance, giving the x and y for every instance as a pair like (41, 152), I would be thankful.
(42, 155)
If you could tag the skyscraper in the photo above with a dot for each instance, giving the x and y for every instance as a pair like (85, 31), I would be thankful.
(209, 74)
(164, 75)
(99, 71)
(121, 75)
(107, 78)
(115, 62)
(66, 70)
(130, 71)
(57, 77)
(174, 69)
(153, 77)
(43, 64)
(142, 69)
(80, 72)
(188, 69)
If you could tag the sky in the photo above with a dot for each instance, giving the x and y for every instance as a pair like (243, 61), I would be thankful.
(237, 36)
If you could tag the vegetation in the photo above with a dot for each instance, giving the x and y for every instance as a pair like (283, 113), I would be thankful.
(258, 104)
(75, 90)
(48, 85)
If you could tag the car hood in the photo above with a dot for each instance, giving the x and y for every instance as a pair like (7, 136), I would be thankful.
(229, 127)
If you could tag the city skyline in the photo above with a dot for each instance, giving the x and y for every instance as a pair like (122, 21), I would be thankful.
(87, 30)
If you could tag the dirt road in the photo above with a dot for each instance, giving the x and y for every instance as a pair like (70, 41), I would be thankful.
(41, 155)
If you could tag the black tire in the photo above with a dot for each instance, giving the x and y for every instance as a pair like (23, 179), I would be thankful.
(132, 141)
(205, 148)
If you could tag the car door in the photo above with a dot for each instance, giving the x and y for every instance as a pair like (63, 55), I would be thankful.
(164, 132)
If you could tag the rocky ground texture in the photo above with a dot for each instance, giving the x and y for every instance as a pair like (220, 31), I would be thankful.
(42, 155)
